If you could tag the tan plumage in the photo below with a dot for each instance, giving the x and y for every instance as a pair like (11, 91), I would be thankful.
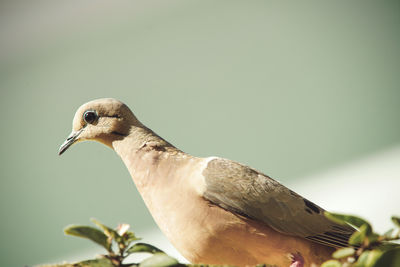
(212, 210)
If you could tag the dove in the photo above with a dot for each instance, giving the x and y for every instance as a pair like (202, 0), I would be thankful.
(213, 210)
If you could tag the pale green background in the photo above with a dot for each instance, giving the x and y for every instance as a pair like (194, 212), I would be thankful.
(289, 88)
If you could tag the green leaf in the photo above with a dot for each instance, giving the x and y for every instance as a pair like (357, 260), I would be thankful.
(389, 233)
(386, 246)
(364, 234)
(362, 260)
(343, 253)
(102, 262)
(372, 237)
(396, 221)
(130, 237)
(90, 233)
(143, 247)
(358, 237)
(331, 263)
(107, 230)
(390, 258)
(347, 219)
(368, 258)
(159, 260)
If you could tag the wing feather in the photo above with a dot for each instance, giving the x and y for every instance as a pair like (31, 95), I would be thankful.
(243, 190)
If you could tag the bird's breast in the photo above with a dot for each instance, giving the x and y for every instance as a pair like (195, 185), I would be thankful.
(201, 231)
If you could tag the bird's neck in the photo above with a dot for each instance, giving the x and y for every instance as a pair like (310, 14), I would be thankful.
(146, 155)
(139, 138)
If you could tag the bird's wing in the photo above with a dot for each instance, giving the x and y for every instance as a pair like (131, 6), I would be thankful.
(240, 189)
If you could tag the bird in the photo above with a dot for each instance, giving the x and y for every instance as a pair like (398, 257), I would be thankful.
(213, 210)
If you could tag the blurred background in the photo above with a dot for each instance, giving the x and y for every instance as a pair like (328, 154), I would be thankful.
(307, 92)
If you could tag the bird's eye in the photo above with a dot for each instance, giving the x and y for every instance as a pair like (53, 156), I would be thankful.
(89, 116)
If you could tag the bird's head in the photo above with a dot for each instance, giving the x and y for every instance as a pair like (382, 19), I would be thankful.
(104, 120)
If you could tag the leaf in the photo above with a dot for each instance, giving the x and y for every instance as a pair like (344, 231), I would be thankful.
(129, 237)
(389, 233)
(102, 262)
(90, 233)
(386, 246)
(364, 235)
(347, 219)
(368, 258)
(331, 263)
(343, 253)
(362, 260)
(143, 247)
(358, 237)
(396, 220)
(390, 258)
(372, 237)
(107, 230)
(159, 260)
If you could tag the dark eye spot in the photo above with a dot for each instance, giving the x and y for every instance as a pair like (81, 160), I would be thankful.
(89, 116)
(311, 206)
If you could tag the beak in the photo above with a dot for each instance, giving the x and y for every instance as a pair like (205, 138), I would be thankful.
(70, 141)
